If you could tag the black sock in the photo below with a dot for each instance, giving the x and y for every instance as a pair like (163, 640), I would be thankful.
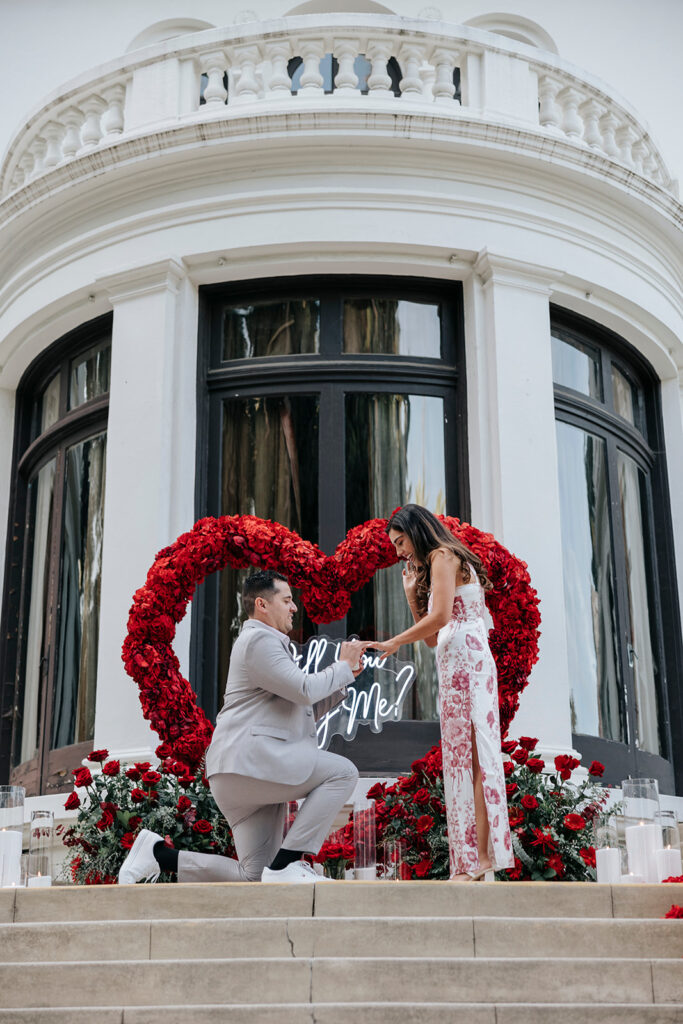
(284, 857)
(166, 858)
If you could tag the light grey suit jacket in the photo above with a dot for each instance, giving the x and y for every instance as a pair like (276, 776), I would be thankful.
(266, 727)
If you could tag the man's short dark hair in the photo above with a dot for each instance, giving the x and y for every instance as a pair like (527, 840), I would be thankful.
(259, 584)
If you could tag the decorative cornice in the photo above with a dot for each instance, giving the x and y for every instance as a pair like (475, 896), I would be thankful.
(165, 275)
(497, 269)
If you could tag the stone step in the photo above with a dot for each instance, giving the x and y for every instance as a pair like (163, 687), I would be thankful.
(216, 938)
(357, 1013)
(279, 981)
(339, 899)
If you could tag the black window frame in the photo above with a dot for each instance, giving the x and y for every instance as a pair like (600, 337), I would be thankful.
(647, 449)
(49, 771)
(333, 373)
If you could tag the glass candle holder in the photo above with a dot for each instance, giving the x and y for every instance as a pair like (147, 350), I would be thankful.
(668, 859)
(11, 834)
(393, 860)
(610, 857)
(642, 833)
(364, 839)
(40, 850)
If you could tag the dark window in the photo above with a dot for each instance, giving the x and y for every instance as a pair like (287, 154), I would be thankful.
(51, 610)
(623, 626)
(330, 402)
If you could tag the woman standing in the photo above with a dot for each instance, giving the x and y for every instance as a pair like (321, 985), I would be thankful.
(444, 584)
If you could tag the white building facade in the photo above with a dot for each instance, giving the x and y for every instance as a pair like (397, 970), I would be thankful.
(311, 264)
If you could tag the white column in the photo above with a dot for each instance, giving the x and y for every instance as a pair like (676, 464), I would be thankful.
(513, 462)
(7, 399)
(149, 497)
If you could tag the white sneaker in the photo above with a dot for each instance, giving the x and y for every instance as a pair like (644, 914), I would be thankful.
(297, 871)
(141, 865)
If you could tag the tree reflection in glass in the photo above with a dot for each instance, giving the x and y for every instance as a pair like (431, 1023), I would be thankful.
(394, 455)
(597, 694)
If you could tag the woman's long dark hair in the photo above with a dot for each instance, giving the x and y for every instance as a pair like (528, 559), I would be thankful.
(427, 533)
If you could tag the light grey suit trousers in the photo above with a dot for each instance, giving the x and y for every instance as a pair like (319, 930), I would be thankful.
(264, 753)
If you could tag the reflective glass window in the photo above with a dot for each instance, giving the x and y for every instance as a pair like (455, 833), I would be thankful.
(90, 373)
(577, 366)
(392, 327)
(282, 328)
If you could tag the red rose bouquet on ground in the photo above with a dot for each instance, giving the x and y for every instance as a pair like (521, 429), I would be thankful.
(119, 802)
(550, 817)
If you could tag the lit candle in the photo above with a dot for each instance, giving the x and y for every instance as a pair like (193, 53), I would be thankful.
(40, 881)
(10, 857)
(608, 865)
(642, 842)
(668, 863)
(631, 877)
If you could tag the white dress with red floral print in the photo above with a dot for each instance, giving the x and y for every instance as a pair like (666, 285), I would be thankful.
(468, 697)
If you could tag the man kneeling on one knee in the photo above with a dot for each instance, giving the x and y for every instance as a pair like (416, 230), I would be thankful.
(264, 753)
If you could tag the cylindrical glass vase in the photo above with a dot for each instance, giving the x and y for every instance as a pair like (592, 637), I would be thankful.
(393, 861)
(364, 840)
(11, 834)
(668, 859)
(642, 832)
(40, 850)
(610, 857)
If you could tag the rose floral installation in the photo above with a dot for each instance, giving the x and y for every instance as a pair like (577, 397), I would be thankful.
(326, 584)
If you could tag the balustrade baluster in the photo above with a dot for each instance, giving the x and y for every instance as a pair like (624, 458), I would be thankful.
(572, 124)
(53, 133)
(311, 84)
(112, 120)
(379, 55)
(346, 79)
(279, 84)
(639, 152)
(609, 125)
(444, 62)
(592, 111)
(38, 151)
(26, 164)
(93, 108)
(72, 119)
(625, 138)
(245, 58)
(215, 93)
(549, 115)
(410, 57)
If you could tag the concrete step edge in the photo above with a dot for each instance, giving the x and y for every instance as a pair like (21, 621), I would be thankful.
(403, 961)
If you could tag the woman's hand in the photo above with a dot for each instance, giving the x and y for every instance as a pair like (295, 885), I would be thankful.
(409, 579)
(387, 646)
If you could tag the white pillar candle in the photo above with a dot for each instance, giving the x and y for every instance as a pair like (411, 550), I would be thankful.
(642, 842)
(608, 865)
(630, 878)
(10, 857)
(668, 863)
(40, 882)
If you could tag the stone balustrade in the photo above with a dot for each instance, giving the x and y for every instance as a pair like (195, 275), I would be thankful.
(379, 62)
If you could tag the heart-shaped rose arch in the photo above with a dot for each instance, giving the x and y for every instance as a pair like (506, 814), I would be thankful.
(326, 583)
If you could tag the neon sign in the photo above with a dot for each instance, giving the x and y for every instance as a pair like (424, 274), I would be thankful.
(376, 696)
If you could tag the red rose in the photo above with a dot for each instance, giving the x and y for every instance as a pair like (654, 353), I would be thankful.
(202, 826)
(424, 823)
(423, 867)
(530, 803)
(134, 821)
(138, 795)
(507, 746)
(596, 769)
(565, 765)
(675, 911)
(72, 802)
(535, 765)
(134, 774)
(556, 863)
(508, 768)
(511, 788)
(105, 821)
(184, 804)
(143, 766)
(127, 840)
(163, 751)
(528, 742)
(674, 878)
(111, 768)
(574, 822)
(151, 778)
(376, 792)
(521, 756)
(82, 777)
(587, 855)
(515, 816)
(421, 796)
(97, 756)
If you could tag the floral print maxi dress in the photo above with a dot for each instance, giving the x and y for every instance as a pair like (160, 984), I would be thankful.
(468, 697)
